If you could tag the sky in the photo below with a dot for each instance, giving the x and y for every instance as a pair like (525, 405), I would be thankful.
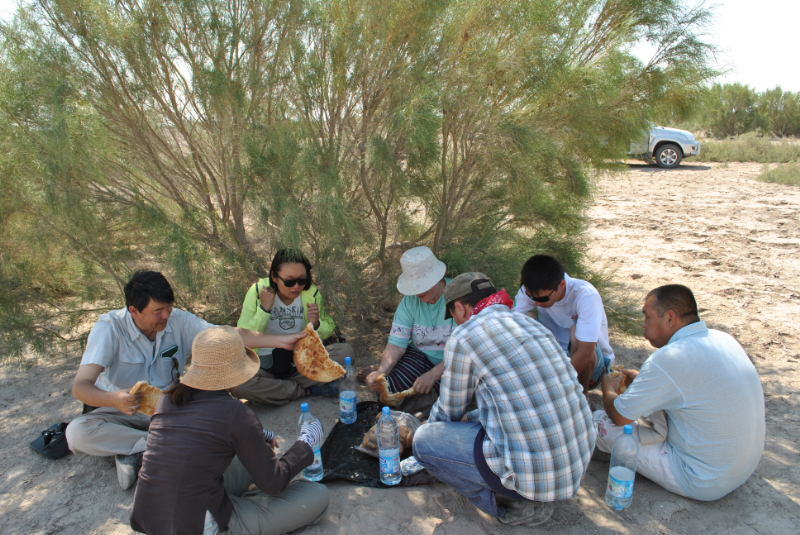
(757, 41)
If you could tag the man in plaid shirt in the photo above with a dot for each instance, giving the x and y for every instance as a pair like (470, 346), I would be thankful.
(531, 438)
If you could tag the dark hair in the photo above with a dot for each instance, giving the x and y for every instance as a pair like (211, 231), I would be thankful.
(472, 299)
(289, 256)
(147, 285)
(179, 393)
(678, 298)
(542, 272)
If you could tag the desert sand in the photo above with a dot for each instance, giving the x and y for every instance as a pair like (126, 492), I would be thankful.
(713, 227)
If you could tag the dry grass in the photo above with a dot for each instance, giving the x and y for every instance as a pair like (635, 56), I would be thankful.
(750, 148)
(788, 173)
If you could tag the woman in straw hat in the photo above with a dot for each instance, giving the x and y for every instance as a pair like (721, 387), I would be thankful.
(413, 356)
(198, 432)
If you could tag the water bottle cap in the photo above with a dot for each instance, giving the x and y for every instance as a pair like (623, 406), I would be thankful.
(387, 411)
(628, 429)
(304, 407)
(347, 361)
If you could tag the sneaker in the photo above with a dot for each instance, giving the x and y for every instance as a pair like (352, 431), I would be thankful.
(329, 390)
(128, 467)
(519, 513)
(600, 456)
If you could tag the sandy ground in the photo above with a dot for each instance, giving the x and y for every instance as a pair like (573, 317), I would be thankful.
(713, 227)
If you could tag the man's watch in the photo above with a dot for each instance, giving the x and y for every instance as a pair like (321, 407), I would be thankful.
(265, 310)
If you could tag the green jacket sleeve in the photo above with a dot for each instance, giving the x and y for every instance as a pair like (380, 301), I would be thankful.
(253, 318)
(326, 324)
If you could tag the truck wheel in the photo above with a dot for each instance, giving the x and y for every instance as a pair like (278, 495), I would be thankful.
(668, 156)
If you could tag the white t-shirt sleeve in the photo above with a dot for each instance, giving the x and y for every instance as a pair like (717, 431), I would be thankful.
(101, 346)
(589, 307)
(652, 390)
(522, 303)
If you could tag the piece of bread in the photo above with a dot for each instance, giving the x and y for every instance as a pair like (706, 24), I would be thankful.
(150, 397)
(617, 372)
(387, 398)
(369, 444)
(312, 360)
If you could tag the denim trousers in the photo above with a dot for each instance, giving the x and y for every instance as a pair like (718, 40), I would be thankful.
(446, 450)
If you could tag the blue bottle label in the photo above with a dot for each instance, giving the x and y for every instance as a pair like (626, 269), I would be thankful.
(317, 458)
(390, 461)
(622, 485)
(347, 401)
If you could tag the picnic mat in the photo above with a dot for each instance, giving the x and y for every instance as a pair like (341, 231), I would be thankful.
(341, 461)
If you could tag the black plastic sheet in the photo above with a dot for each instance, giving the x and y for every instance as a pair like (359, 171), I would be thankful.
(341, 460)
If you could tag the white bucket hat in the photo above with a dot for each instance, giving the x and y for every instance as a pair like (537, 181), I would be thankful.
(421, 271)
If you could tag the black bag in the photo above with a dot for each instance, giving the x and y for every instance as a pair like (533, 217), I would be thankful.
(341, 460)
(282, 363)
(336, 337)
(53, 442)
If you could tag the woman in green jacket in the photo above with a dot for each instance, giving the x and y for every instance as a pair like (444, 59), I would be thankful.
(284, 303)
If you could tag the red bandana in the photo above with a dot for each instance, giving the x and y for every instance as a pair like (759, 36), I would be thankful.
(499, 298)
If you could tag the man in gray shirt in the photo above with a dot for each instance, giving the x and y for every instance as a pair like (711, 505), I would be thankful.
(711, 396)
(149, 341)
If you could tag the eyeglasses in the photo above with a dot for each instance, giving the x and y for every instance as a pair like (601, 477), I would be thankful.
(541, 299)
(293, 282)
(176, 374)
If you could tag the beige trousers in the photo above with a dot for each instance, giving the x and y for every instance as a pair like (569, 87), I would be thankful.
(255, 513)
(653, 461)
(106, 431)
(265, 388)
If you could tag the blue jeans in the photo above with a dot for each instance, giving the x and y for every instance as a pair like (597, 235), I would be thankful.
(600, 366)
(447, 450)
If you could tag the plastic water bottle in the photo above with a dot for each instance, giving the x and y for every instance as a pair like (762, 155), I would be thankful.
(622, 470)
(389, 449)
(313, 472)
(347, 394)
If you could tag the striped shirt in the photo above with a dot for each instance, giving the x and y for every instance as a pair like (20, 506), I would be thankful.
(539, 432)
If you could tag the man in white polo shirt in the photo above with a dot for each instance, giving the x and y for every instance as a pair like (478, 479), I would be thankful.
(572, 310)
(149, 341)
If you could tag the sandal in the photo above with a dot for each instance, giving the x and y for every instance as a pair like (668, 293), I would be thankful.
(364, 372)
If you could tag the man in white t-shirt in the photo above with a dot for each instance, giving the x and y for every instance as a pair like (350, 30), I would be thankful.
(573, 311)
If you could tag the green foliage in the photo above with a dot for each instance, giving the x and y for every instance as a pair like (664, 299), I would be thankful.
(199, 137)
(788, 174)
(781, 112)
(730, 110)
(734, 109)
(750, 147)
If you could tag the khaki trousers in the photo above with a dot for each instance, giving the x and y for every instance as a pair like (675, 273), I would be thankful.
(653, 461)
(265, 388)
(255, 513)
(106, 431)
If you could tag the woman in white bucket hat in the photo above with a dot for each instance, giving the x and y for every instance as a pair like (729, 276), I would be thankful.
(413, 356)
(199, 432)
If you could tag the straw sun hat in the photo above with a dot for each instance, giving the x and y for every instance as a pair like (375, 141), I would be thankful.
(421, 271)
(220, 360)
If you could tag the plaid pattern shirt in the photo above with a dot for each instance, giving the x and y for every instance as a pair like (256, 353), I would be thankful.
(539, 431)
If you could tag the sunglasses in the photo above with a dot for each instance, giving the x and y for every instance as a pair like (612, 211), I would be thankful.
(542, 299)
(293, 282)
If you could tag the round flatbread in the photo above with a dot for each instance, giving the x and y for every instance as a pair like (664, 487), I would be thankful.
(150, 397)
(617, 372)
(387, 398)
(312, 360)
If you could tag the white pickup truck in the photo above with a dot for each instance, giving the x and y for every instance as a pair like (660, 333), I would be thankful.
(667, 146)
